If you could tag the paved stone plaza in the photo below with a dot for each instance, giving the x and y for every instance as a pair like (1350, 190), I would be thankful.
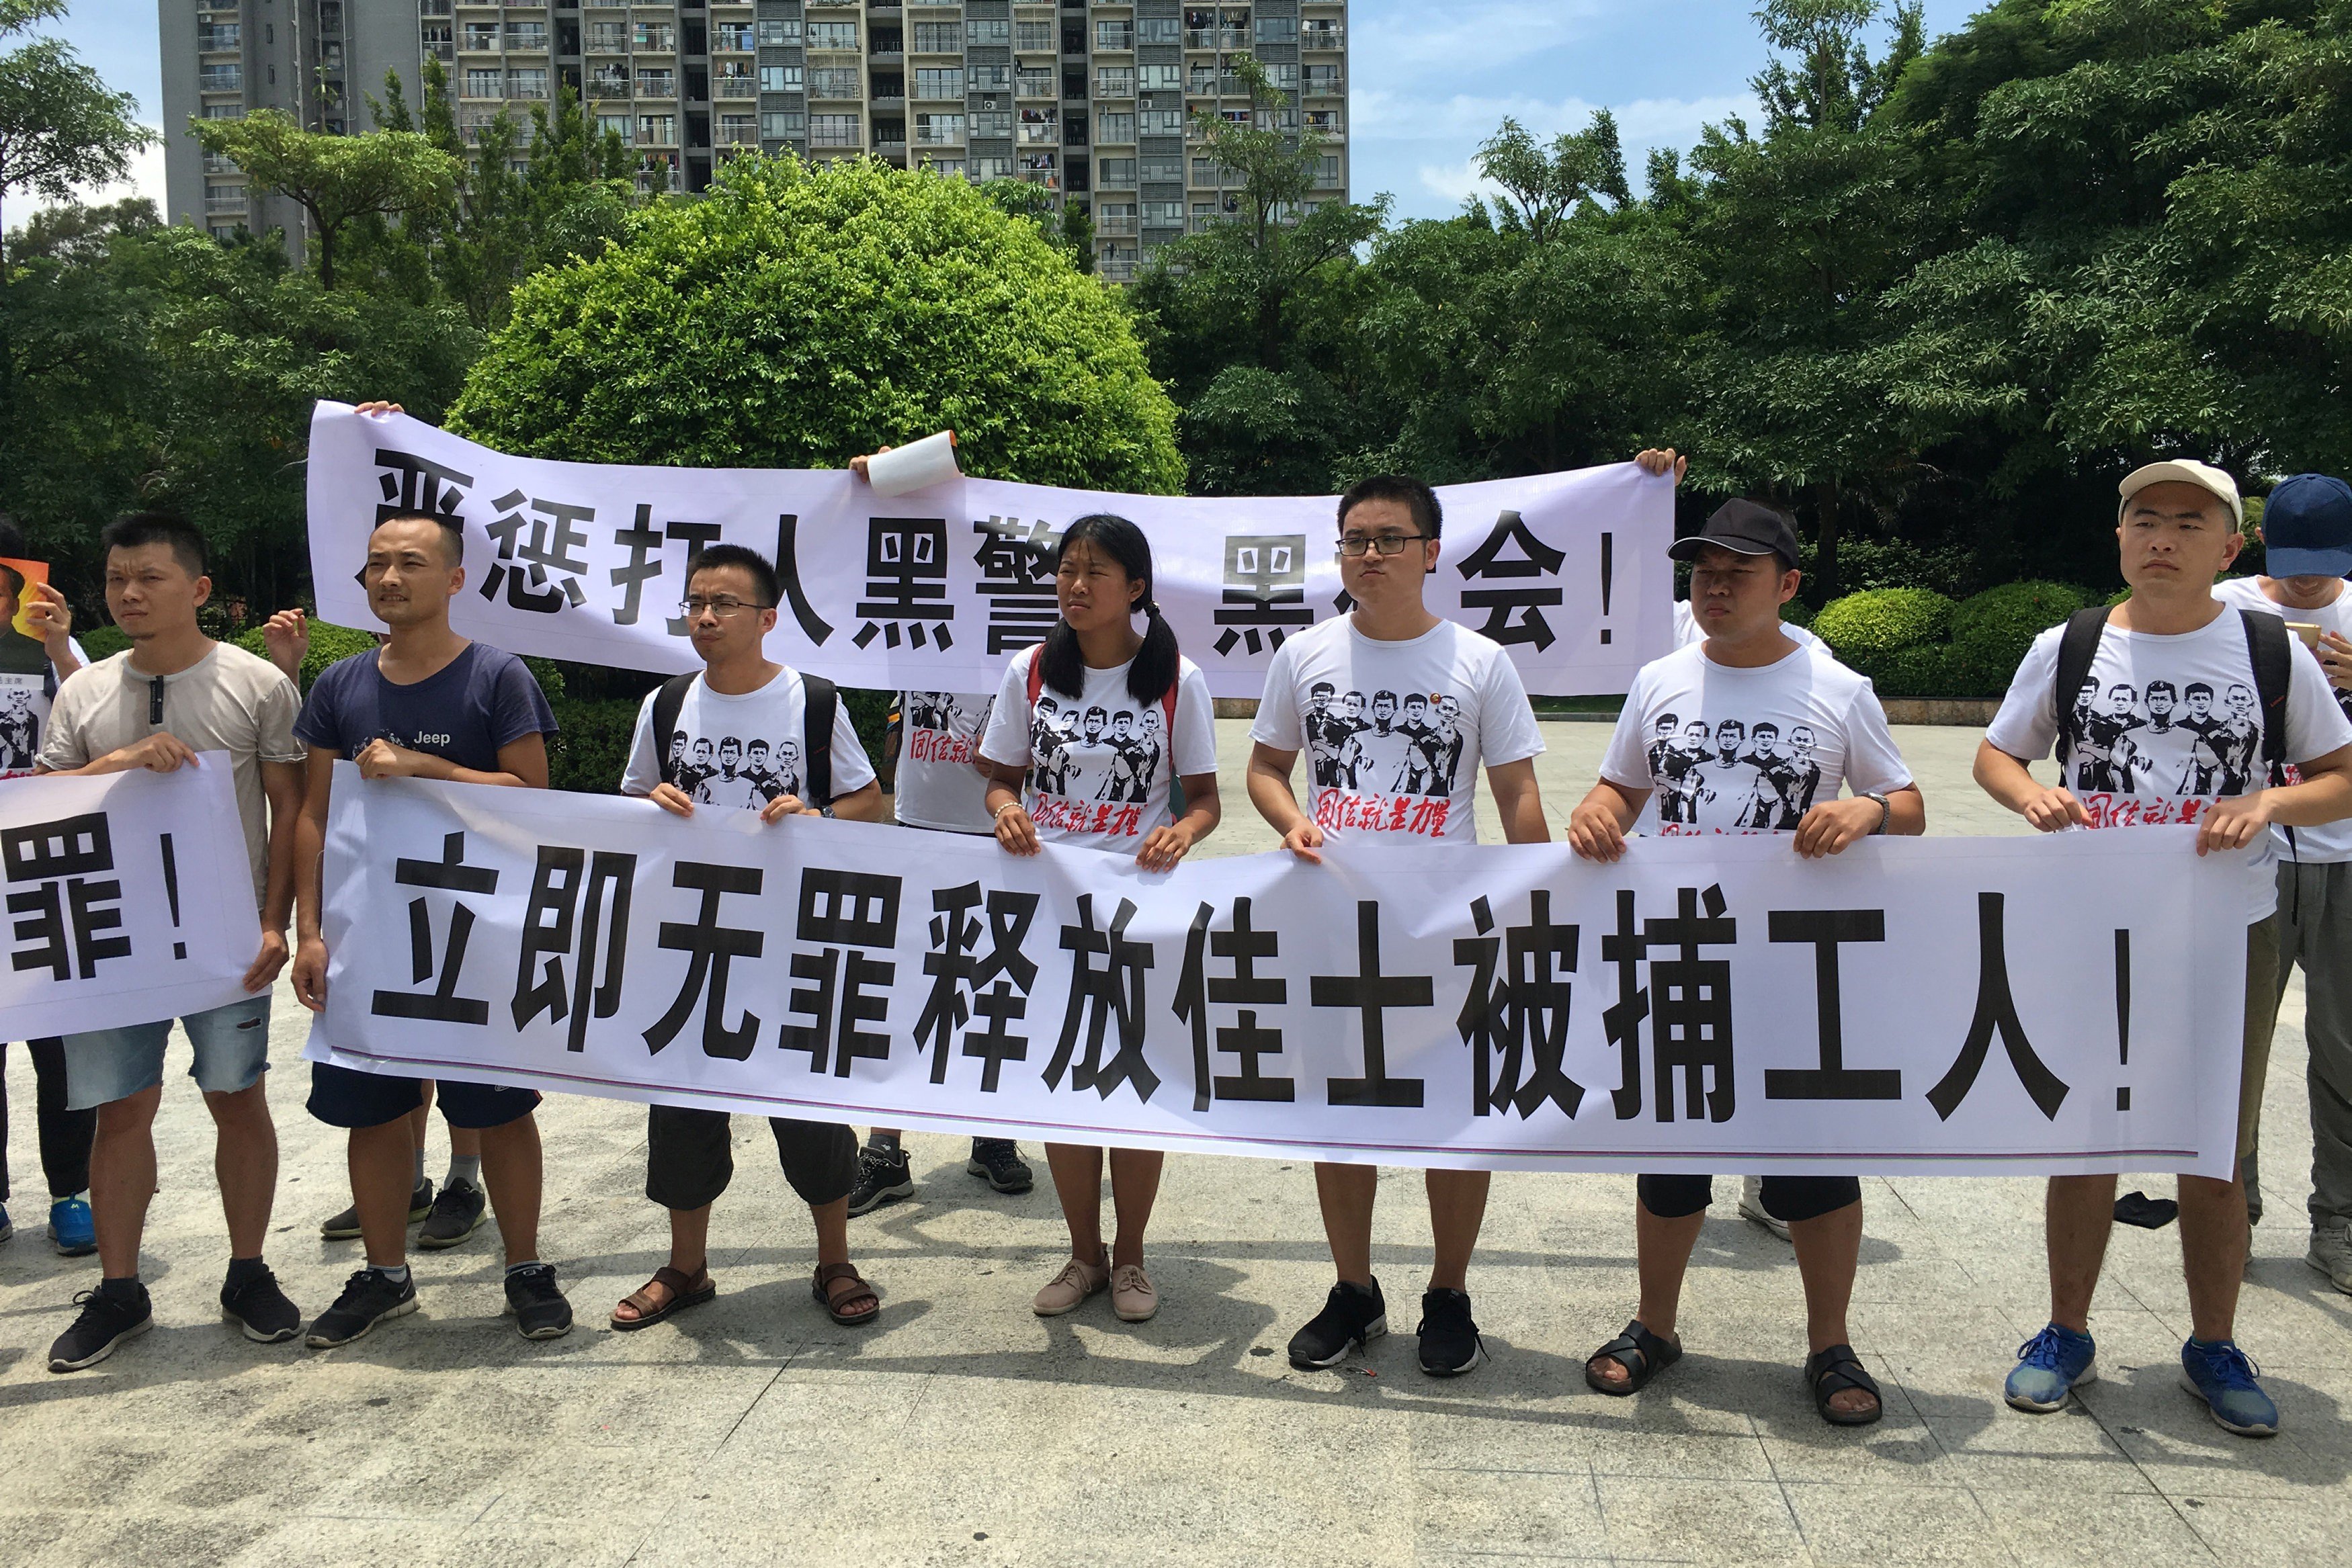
(963, 1429)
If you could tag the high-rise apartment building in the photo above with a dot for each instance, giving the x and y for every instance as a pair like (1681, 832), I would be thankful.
(1093, 102)
(316, 59)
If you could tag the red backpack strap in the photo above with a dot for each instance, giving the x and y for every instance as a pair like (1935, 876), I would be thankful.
(1168, 707)
(1036, 673)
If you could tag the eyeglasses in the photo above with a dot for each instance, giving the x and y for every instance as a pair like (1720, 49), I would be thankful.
(724, 605)
(1353, 545)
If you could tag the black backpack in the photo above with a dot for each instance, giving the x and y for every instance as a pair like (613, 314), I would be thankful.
(820, 698)
(2272, 645)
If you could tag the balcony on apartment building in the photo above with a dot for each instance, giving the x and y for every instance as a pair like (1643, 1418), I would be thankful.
(734, 84)
(1322, 35)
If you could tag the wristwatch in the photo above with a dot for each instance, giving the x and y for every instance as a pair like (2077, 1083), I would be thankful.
(1885, 811)
(827, 810)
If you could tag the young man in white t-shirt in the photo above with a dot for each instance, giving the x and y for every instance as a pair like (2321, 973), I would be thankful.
(1791, 726)
(741, 697)
(2178, 528)
(2306, 534)
(1392, 644)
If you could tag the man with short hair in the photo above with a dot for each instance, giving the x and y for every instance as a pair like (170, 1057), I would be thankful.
(2177, 527)
(173, 694)
(428, 703)
(731, 594)
(2307, 535)
(1391, 641)
(1744, 567)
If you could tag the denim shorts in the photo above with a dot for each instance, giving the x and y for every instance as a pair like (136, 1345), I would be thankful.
(231, 1049)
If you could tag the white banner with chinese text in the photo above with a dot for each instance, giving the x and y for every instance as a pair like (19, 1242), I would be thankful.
(933, 591)
(1953, 1004)
(130, 899)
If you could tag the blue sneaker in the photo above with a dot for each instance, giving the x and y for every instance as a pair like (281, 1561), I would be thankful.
(71, 1230)
(2223, 1375)
(2051, 1364)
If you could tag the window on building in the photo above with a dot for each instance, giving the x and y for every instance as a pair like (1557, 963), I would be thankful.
(1159, 78)
(220, 79)
(1277, 29)
(989, 79)
(938, 38)
(658, 130)
(1163, 213)
(1117, 128)
(993, 167)
(779, 35)
(990, 32)
(780, 78)
(654, 34)
(832, 131)
(938, 130)
(1114, 81)
(656, 84)
(1162, 122)
(731, 37)
(486, 83)
(608, 37)
(527, 35)
(1035, 37)
(1158, 170)
(777, 124)
(938, 83)
(1116, 36)
(527, 83)
(481, 35)
(1118, 170)
(993, 122)
(833, 35)
(834, 82)
(1155, 30)
(613, 125)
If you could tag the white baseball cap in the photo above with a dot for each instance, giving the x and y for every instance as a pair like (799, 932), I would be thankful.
(2183, 471)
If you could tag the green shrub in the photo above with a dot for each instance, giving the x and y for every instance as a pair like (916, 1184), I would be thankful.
(1925, 670)
(1797, 613)
(102, 642)
(1862, 628)
(328, 643)
(590, 747)
(796, 314)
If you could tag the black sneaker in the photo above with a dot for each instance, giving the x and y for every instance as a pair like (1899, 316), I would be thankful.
(345, 1227)
(456, 1214)
(1450, 1345)
(998, 1160)
(370, 1297)
(882, 1178)
(105, 1322)
(538, 1308)
(1352, 1316)
(261, 1309)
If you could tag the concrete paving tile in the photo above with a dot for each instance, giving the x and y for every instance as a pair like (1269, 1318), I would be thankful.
(1462, 1513)
(2269, 1532)
(1892, 1525)
(2083, 1528)
(1698, 1521)
(315, 1538)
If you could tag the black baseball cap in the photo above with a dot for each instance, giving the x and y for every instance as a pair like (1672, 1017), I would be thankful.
(1746, 528)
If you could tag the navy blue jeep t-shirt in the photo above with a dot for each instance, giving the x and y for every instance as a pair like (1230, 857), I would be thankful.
(481, 700)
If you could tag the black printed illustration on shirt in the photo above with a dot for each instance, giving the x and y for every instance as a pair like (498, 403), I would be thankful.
(1768, 779)
(20, 728)
(1390, 746)
(2165, 740)
(1088, 752)
(728, 770)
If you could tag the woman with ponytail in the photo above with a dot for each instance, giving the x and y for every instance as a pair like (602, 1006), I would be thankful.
(1088, 730)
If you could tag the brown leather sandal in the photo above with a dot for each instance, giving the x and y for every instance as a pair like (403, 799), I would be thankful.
(684, 1292)
(839, 1311)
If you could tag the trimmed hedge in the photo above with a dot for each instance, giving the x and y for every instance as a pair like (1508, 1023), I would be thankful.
(1989, 633)
(1863, 628)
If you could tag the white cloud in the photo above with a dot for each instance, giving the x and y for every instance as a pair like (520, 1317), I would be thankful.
(1415, 39)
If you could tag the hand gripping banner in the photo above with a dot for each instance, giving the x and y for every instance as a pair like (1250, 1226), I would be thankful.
(130, 899)
(2063, 1004)
(935, 590)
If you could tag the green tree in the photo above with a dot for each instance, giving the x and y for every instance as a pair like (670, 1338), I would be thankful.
(794, 316)
(336, 180)
(61, 127)
(1066, 225)
(1541, 190)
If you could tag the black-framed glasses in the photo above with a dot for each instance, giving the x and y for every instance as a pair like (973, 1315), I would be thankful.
(723, 605)
(1352, 544)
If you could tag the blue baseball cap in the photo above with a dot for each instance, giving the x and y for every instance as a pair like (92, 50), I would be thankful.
(2307, 528)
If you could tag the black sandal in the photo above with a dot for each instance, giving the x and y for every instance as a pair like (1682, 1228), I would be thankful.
(1835, 1370)
(826, 1273)
(1642, 1354)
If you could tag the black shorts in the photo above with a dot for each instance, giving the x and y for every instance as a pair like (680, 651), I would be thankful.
(344, 1097)
(1790, 1199)
(691, 1158)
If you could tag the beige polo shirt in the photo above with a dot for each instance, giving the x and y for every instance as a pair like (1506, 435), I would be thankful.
(228, 701)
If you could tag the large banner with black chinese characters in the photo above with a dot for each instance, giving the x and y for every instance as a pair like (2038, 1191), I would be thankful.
(1943, 1004)
(130, 898)
(933, 591)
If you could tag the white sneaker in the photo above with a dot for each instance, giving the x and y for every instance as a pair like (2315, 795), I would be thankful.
(1751, 1207)
(2331, 1254)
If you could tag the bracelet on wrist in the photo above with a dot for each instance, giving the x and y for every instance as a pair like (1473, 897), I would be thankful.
(998, 815)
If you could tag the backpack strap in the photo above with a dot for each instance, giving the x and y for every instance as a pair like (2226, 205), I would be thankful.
(1036, 673)
(820, 700)
(2077, 646)
(2272, 648)
(667, 704)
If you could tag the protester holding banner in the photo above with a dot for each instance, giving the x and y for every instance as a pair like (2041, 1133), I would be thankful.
(2239, 707)
(65, 1133)
(1804, 727)
(1087, 731)
(746, 734)
(938, 786)
(1392, 769)
(2307, 535)
(428, 703)
(173, 694)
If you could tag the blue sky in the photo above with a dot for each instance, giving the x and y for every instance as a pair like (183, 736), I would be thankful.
(1429, 81)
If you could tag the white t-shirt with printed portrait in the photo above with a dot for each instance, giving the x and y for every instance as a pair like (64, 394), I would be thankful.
(1686, 630)
(2330, 842)
(1749, 750)
(24, 697)
(2169, 722)
(940, 784)
(1395, 732)
(741, 750)
(1099, 763)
